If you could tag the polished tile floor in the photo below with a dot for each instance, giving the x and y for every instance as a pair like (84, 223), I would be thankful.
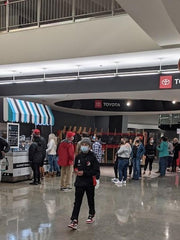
(142, 210)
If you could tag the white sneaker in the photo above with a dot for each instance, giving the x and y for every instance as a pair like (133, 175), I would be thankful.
(124, 182)
(113, 179)
(67, 190)
(119, 183)
(116, 180)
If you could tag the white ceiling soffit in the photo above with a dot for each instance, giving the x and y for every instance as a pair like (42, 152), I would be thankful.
(173, 8)
(158, 18)
(166, 95)
(96, 63)
(107, 113)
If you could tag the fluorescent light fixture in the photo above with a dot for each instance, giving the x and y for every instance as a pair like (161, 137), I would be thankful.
(60, 79)
(6, 82)
(28, 81)
(170, 71)
(129, 74)
(97, 76)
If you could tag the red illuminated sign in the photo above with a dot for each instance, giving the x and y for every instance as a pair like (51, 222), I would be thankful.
(165, 82)
(98, 104)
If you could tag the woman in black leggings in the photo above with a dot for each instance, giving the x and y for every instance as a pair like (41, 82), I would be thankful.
(150, 152)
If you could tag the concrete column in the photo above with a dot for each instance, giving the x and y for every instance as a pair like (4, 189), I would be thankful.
(124, 124)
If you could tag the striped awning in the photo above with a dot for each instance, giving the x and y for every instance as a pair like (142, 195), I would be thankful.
(16, 110)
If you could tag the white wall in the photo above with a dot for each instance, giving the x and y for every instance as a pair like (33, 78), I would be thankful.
(143, 121)
(111, 35)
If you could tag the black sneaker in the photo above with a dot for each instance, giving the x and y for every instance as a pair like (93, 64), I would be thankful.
(73, 224)
(58, 174)
(90, 219)
(34, 183)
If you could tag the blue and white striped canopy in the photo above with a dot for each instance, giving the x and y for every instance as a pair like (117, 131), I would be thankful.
(16, 110)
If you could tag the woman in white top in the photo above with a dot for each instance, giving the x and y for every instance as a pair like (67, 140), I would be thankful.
(51, 153)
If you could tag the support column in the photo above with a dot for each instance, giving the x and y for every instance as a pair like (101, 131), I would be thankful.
(124, 124)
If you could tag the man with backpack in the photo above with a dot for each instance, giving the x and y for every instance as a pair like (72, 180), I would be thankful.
(37, 153)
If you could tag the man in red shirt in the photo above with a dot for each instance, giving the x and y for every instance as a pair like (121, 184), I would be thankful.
(66, 161)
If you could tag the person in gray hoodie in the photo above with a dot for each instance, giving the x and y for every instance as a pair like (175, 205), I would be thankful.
(123, 154)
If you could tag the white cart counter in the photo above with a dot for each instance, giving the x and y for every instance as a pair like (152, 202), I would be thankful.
(18, 167)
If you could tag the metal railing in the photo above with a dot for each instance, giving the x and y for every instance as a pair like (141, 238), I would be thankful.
(15, 14)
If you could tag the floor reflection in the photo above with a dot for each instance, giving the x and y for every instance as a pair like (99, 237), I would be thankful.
(42, 212)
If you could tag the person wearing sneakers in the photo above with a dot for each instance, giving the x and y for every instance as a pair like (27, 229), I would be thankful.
(66, 161)
(86, 168)
(115, 179)
(123, 153)
(51, 154)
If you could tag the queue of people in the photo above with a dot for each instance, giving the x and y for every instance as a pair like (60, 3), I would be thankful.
(131, 155)
(84, 161)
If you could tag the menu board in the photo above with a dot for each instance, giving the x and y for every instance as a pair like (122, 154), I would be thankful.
(13, 134)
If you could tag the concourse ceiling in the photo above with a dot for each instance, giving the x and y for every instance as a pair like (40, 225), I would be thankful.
(165, 59)
(158, 19)
(115, 62)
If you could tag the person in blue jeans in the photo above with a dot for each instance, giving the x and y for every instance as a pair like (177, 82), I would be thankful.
(51, 153)
(137, 151)
(163, 156)
(123, 160)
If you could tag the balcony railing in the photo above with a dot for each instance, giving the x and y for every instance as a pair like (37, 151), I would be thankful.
(16, 14)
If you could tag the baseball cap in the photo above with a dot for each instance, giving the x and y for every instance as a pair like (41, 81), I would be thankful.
(36, 132)
(70, 134)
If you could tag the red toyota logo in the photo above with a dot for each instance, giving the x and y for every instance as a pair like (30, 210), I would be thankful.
(98, 104)
(165, 82)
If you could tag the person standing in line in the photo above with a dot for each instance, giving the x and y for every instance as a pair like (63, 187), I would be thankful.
(138, 151)
(171, 155)
(115, 179)
(176, 151)
(97, 148)
(37, 153)
(163, 156)
(66, 160)
(130, 159)
(123, 153)
(4, 147)
(51, 154)
(86, 168)
(150, 153)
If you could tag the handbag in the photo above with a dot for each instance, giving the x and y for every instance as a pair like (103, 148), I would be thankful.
(143, 159)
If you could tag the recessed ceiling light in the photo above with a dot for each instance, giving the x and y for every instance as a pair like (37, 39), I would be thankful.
(128, 103)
